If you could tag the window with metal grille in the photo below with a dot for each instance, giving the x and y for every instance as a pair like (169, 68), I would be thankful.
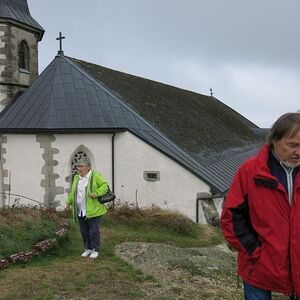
(78, 155)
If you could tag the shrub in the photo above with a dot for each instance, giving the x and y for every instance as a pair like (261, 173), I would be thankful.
(156, 217)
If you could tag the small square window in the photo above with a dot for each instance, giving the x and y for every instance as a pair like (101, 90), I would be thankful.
(151, 175)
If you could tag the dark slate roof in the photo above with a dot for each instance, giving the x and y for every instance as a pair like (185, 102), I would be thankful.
(201, 125)
(226, 168)
(67, 98)
(18, 11)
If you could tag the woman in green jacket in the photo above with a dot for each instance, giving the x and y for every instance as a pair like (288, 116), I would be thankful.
(87, 186)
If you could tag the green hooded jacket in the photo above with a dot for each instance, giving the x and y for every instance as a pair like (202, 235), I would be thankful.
(93, 207)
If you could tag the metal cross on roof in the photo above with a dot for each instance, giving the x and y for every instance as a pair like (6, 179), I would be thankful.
(60, 38)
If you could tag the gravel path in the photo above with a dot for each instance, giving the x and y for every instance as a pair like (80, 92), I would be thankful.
(184, 273)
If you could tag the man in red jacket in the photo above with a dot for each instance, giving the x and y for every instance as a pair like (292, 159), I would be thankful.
(261, 214)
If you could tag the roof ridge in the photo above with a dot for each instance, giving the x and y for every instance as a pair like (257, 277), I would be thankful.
(141, 77)
(126, 106)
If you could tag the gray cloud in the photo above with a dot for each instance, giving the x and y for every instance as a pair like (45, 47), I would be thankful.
(247, 51)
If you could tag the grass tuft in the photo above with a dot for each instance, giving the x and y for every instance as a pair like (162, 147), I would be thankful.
(154, 217)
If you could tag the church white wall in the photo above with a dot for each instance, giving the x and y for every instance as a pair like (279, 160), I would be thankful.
(176, 190)
(23, 161)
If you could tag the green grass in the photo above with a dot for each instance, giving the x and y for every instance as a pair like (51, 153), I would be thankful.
(63, 274)
(21, 229)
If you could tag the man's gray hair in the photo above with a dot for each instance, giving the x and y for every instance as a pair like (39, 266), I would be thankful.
(84, 161)
(287, 125)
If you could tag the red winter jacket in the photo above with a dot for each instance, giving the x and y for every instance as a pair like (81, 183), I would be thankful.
(258, 221)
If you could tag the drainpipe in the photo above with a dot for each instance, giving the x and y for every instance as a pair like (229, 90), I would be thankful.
(113, 162)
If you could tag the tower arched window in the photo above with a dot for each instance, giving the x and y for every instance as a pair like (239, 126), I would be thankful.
(23, 56)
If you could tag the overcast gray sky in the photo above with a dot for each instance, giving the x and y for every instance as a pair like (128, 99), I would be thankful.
(247, 51)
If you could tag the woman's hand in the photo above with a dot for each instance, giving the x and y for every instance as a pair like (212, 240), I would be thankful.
(93, 195)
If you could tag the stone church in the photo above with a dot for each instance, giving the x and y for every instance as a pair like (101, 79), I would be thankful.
(157, 145)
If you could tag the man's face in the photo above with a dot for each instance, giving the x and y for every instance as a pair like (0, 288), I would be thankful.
(288, 150)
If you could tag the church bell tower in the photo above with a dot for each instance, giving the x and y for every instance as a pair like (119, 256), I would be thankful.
(19, 37)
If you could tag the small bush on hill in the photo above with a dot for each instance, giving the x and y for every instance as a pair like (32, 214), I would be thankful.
(155, 217)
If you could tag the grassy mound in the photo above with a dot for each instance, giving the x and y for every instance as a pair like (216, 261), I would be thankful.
(21, 228)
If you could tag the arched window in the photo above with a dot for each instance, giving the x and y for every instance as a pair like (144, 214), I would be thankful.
(79, 152)
(75, 159)
(23, 56)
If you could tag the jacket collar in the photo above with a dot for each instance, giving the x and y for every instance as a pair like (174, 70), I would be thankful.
(262, 168)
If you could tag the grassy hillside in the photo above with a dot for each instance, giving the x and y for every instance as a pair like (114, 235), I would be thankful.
(164, 256)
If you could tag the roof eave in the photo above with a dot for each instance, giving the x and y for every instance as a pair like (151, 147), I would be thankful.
(40, 31)
(59, 130)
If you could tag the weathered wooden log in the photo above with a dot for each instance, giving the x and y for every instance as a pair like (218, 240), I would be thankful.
(44, 245)
(64, 223)
(61, 232)
(22, 256)
(4, 263)
(25, 256)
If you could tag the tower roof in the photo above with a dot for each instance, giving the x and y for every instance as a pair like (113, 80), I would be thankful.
(17, 11)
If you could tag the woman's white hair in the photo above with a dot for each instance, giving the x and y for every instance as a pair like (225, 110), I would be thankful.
(84, 161)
